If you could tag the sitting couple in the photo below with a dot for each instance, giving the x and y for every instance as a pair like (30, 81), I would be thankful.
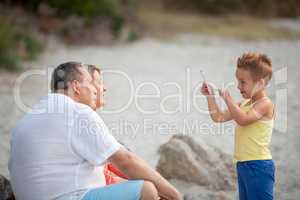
(59, 148)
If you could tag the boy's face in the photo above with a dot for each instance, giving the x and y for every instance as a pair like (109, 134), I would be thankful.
(246, 84)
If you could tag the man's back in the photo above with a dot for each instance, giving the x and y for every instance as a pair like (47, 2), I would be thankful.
(58, 149)
(44, 164)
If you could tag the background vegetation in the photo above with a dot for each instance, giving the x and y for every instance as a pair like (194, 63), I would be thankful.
(18, 44)
(274, 8)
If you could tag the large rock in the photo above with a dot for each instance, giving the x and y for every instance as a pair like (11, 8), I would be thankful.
(195, 162)
(6, 192)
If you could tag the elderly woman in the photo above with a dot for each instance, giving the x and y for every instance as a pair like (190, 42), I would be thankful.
(111, 173)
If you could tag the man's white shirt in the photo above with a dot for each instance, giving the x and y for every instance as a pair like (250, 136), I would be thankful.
(57, 148)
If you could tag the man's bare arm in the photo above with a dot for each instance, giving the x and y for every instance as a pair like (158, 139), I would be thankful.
(136, 168)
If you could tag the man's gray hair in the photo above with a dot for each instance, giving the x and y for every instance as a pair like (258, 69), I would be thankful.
(65, 73)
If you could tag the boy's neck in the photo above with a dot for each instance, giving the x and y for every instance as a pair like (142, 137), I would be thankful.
(259, 95)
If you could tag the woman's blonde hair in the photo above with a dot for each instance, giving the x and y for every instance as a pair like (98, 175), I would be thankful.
(93, 68)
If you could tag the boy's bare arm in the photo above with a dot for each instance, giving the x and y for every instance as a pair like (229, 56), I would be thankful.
(215, 113)
(245, 118)
(136, 168)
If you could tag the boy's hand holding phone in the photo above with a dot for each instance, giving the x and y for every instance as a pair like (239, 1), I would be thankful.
(207, 89)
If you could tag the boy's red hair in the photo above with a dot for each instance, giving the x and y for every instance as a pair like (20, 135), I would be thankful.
(259, 65)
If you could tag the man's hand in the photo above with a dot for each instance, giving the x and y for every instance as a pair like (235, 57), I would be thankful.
(173, 195)
(136, 168)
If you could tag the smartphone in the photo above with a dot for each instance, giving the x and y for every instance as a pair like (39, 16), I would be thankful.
(210, 90)
(203, 76)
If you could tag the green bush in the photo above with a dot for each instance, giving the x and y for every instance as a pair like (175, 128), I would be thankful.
(33, 47)
(132, 36)
(7, 44)
(16, 46)
(88, 9)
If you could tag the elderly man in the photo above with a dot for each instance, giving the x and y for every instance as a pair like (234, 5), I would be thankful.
(58, 149)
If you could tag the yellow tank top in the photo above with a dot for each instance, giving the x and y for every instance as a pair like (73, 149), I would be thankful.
(252, 141)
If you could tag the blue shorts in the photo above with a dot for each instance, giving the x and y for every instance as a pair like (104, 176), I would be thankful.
(256, 179)
(129, 190)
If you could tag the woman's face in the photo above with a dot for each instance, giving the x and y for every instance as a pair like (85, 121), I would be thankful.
(98, 83)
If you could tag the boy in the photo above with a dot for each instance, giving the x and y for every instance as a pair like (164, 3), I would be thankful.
(254, 117)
